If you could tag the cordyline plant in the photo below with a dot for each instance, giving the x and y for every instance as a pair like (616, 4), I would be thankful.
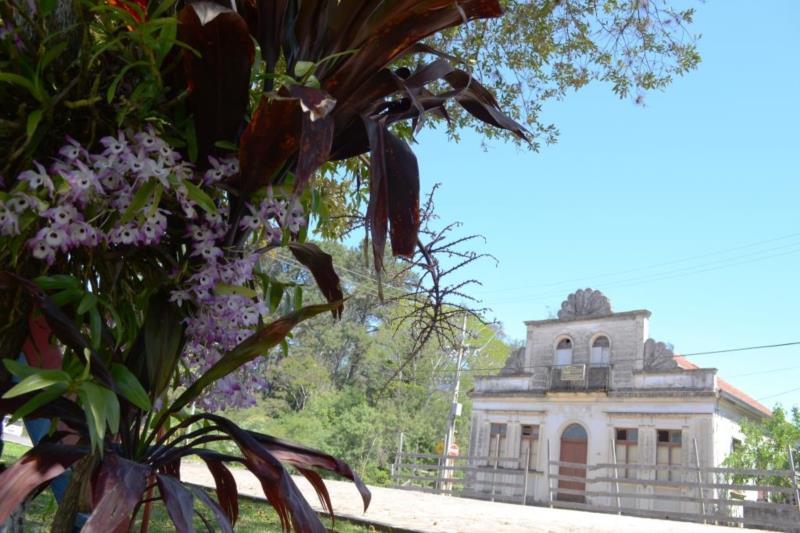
(154, 153)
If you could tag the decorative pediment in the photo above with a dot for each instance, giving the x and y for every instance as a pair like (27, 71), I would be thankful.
(583, 303)
(659, 356)
(515, 364)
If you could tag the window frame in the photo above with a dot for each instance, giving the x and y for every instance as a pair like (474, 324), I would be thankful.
(605, 351)
(532, 441)
(557, 350)
(671, 445)
(627, 445)
(500, 442)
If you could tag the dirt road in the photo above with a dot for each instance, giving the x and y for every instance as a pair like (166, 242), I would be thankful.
(417, 511)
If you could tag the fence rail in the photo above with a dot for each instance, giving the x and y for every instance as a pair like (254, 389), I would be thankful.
(692, 493)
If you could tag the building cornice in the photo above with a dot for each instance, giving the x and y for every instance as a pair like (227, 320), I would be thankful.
(626, 314)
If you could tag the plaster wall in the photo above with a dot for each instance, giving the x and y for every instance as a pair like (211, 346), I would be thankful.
(599, 415)
(626, 333)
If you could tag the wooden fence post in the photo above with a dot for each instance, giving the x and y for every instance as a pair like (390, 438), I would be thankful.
(525, 476)
(699, 480)
(616, 474)
(549, 488)
(794, 478)
(496, 460)
(398, 461)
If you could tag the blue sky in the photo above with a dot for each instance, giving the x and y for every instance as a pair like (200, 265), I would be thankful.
(687, 206)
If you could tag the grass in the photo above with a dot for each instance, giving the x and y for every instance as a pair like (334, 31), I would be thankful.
(254, 516)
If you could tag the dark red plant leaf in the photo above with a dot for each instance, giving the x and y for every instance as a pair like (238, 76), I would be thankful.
(321, 266)
(218, 80)
(316, 136)
(222, 519)
(227, 492)
(479, 102)
(270, 139)
(116, 490)
(393, 27)
(377, 217)
(320, 488)
(279, 487)
(303, 457)
(394, 182)
(172, 468)
(178, 501)
(257, 344)
(268, 29)
(39, 465)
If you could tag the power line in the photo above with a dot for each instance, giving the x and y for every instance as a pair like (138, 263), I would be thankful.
(652, 266)
(778, 394)
(742, 349)
(687, 271)
(770, 371)
(714, 352)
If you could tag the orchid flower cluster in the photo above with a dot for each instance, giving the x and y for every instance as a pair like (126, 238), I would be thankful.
(127, 196)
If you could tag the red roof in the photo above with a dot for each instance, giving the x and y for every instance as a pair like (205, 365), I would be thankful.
(727, 387)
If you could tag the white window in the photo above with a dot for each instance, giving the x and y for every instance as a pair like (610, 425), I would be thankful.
(528, 444)
(601, 351)
(627, 449)
(668, 452)
(497, 440)
(564, 352)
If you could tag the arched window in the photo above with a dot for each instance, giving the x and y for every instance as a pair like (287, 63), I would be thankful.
(601, 351)
(564, 352)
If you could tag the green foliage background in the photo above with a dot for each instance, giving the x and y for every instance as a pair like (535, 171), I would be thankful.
(333, 392)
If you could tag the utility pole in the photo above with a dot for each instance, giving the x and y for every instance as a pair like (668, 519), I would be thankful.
(455, 407)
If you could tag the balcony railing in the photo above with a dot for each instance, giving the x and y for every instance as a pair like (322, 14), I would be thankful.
(579, 377)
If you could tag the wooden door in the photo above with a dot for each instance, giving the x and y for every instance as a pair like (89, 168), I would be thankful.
(574, 448)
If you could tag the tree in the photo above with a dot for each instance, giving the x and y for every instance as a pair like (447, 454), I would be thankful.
(766, 447)
(543, 49)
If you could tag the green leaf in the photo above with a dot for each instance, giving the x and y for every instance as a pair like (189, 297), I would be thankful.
(89, 301)
(222, 288)
(25, 83)
(95, 328)
(50, 55)
(139, 200)
(298, 297)
(275, 295)
(191, 141)
(303, 68)
(112, 89)
(67, 296)
(48, 395)
(21, 370)
(40, 380)
(199, 197)
(129, 387)
(47, 6)
(92, 400)
(57, 281)
(33, 122)
(260, 342)
(226, 145)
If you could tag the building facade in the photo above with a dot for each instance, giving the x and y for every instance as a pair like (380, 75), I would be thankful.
(591, 387)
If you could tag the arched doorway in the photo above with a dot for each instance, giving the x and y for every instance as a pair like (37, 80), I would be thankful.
(574, 444)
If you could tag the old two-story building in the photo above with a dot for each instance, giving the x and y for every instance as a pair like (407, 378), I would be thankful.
(592, 387)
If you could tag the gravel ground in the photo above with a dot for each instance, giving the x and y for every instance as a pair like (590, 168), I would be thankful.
(418, 511)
